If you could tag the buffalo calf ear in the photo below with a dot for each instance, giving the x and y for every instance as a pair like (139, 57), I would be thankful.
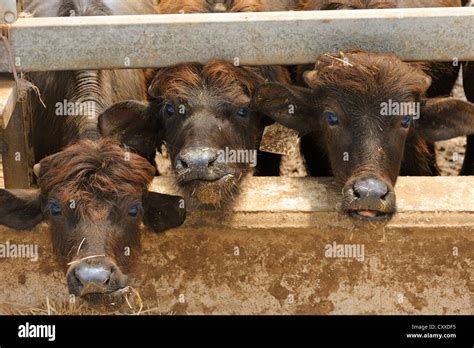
(133, 124)
(163, 212)
(154, 90)
(287, 105)
(20, 209)
(445, 118)
(121, 117)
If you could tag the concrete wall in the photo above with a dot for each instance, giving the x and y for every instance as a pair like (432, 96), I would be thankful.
(267, 255)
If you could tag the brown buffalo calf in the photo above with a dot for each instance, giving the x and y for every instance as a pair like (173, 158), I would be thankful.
(210, 131)
(201, 112)
(442, 75)
(94, 195)
(369, 114)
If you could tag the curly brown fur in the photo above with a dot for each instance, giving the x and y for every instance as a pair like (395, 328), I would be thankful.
(92, 170)
(209, 6)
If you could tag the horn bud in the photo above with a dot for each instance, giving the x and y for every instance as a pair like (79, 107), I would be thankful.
(426, 81)
(310, 77)
(37, 169)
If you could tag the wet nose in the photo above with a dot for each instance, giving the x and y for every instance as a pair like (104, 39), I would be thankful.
(196, 163)
(370, 188)
(196, 158)
(220, 7)
(96, 274)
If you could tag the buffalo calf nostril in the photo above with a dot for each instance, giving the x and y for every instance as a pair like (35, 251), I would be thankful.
(93, 274)
(181, 164)
(212, 162)
(197, 158)
(370, 188)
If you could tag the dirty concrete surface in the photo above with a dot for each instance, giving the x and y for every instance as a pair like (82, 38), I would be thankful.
(402, 267)
(205, 271)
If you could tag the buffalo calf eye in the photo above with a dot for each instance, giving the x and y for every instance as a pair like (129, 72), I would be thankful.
(54, 209)
(331, 118)
(406, 122)
(135, 209)
(243, 112)
(170, 110)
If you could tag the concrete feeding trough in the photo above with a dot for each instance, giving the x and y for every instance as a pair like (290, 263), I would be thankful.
(284, 249)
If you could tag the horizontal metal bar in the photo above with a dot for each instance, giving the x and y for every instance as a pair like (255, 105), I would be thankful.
(39, 44)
